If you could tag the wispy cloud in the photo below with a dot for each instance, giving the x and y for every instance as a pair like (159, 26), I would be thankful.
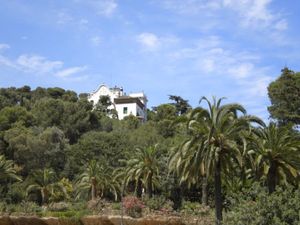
(70, 71)
(211, 57)
(39, 65)
(96, 40)
(64, 17)
(255, 14)
(102, 7)
(152, 42)
(4, 46)
(149, 41)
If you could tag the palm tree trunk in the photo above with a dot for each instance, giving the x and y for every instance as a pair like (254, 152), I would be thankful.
(44, 193)
(204, 199)
(93, 191)
(272, 178)
(218, 193)
(150, 191)
(139, 188)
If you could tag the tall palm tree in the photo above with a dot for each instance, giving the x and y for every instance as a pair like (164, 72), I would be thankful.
(143, 168)
(214, 144)
(7, 169)
(43, 181)
(277, 152)
(97, 178)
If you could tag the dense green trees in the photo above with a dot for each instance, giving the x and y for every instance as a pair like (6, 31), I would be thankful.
(65, 149)
(284, 95)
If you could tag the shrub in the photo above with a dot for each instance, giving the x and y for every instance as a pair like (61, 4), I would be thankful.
(194, 208)
(280, 208)
(155, 203)
(58, 206)
(133, 206)
(29, 207)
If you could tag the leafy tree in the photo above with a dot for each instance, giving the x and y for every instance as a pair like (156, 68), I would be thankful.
(182, 105)
(284, 94)
(165, 112)
(15, 115)
(277, 155)
(48, 112)
(34, 148)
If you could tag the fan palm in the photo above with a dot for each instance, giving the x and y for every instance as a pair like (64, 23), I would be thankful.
(7, 169)
(97, 178)
(277, 155)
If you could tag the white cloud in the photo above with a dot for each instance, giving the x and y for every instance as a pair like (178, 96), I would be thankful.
(70, 71)
(96, 40)
(149, 41)
(37, 64)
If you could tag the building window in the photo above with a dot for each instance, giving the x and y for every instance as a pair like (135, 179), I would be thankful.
(125, 109)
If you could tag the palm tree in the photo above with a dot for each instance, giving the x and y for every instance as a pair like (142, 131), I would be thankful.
(277, 155)
(43, 181)
(7, 169)
(143, 168)
(97, 178)
(213, 146)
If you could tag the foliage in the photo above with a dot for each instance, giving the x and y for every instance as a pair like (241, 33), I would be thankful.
(280, 208)
(284, 94)
(155, 203)
(66, 150)
(143, 167)
(97, 180)
(7, 170)
(194, 208)
(277, 156)
(182, 105)
(44, 182)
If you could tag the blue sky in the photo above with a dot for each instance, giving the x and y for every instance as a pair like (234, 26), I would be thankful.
(191, 48)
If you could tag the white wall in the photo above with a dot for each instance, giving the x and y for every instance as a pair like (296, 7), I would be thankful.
(131, 109)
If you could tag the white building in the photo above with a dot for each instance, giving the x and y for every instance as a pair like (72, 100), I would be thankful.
(133, 104)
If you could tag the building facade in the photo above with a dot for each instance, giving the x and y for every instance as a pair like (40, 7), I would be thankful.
(132, 104)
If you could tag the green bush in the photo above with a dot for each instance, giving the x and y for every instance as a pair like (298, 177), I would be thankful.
(280, 208)
(116, 206)
(155, 203)
(194, 208)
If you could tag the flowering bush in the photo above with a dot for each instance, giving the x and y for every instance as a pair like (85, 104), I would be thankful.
(133, 206)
